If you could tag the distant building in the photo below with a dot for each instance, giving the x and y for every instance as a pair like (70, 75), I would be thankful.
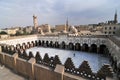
(46, 28)
(115, 21)
(4, 36)
(60, 28)
(73, 30)
(28, 29)
(112, 27)
(82, 28)
(11, 31)
(63, 27)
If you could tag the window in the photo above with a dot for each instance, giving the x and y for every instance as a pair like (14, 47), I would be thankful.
(110, 28)
(109, 32)
(113, 32)
(114, 27)
(105, 28)
(105, 32)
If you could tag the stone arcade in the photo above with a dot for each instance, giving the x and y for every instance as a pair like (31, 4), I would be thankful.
(13, 55)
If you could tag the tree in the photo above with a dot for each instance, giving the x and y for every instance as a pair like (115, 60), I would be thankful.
(3, 32)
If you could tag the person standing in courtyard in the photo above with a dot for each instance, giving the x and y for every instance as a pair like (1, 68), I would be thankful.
(74, 54)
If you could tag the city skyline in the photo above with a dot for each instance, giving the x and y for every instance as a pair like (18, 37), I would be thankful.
(20, 12)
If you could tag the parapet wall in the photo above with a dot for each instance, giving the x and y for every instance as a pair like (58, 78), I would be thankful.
(33, 69)
(30, 69)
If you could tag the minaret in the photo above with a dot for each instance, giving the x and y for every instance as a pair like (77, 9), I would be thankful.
(115, 17)
(66, 25)
(67, 22)
(35, 22)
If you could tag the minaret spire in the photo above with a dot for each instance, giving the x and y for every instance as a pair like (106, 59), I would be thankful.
(67, 22)
(66, 25)
(115, 17)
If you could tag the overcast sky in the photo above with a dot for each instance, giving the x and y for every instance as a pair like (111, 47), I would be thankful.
(20, 12)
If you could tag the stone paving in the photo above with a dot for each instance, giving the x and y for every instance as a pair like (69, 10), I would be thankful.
(7, 74)
(96, 61)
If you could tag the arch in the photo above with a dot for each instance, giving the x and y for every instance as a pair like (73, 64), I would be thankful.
(71, 46)
(63, 45)
(93, 48)
(57, 44)
(33, 44)
(102, 49)
(39, 42)
(85, 47)
(36, 43)
(47, 43)
(51, 44)
(77, 46)
(43, 42)
(28, 44)
(23, 44)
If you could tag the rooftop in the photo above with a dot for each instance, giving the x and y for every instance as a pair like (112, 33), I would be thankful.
(7, 74)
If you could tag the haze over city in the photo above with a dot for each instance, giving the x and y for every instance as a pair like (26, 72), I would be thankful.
(20, 12)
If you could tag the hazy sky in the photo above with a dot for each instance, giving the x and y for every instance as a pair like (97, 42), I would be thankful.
(20, 12)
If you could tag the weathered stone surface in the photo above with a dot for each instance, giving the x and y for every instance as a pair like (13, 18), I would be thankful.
(106, 70)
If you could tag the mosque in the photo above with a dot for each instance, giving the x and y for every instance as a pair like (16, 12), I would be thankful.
(13, 54)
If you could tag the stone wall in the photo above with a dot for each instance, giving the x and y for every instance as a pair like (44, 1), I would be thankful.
(30, 69)
(34, 71)
(60, 38)
(21, 66)
(45, 73)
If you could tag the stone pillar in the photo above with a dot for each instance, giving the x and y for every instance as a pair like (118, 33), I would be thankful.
(2, 58)
(0, 49)
(98, 49)
(59, 71)
(15, 56)
(30, 68)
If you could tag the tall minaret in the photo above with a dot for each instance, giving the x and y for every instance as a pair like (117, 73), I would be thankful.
(115, 17)
(66, 25)
(67, 22)
(35, 22)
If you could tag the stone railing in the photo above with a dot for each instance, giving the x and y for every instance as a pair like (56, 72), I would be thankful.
(18, 37)
(83, 36)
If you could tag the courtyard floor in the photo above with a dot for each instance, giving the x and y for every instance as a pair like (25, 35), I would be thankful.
(96, 61)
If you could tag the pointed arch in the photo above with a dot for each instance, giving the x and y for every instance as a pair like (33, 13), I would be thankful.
(71, 46)
(102, 49)
(85, 47)
(77, 46)
(63, 45)
(93, 48)
(57, 44)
